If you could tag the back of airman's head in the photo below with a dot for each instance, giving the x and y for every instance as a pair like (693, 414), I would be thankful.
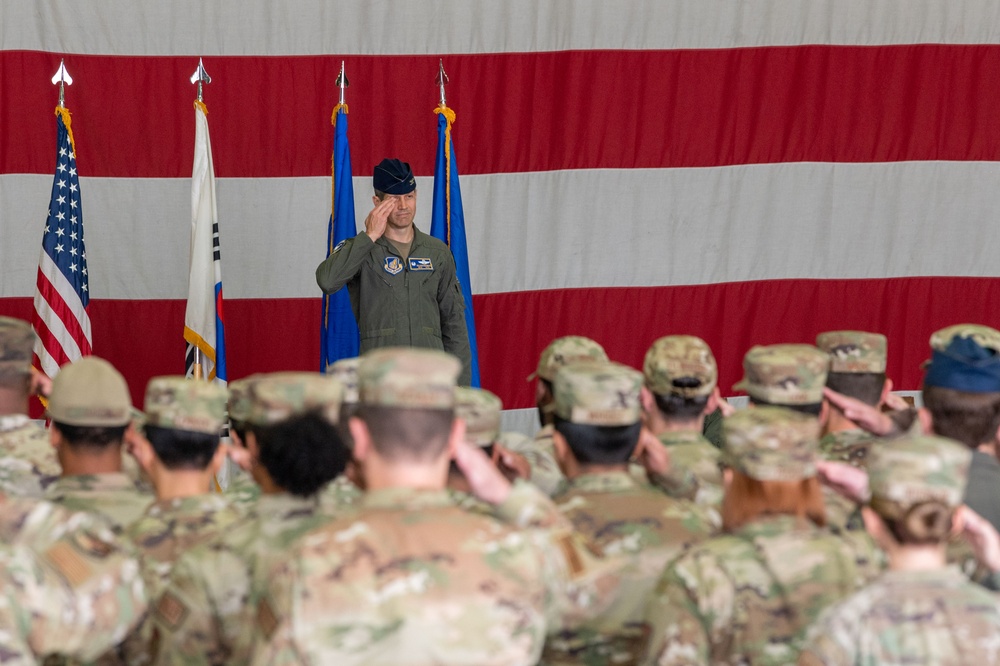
(564, 351)
(17, 341)
(178, 403)
(854, 351)
(480, 410)
(90, 392)
(916, 484)
(965, 357)
(785, 374)
(407, 401)
(771, 444)
(681, 365)
(598, 411)
(293, 418)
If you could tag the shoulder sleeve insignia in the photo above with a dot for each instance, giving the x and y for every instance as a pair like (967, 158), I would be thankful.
(338, 246)
(69, 563)
(171, 610)
(267, 622)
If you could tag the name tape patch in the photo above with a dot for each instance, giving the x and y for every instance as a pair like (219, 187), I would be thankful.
(421, 264)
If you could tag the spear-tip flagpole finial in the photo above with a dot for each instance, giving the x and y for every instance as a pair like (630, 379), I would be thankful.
(63, 78)
(342, 81)
(200, 76)
(441, 81)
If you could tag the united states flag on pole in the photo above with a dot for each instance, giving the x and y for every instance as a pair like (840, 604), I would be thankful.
(61, 295)
(204, 326)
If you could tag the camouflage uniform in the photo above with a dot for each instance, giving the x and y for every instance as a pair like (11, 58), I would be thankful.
(204, 614)
(410, 578)
(27, 460)
(749, 596)
(851, 352)
(561, 351)
(113, 496)
(912, 617)
(70, 586)
(683, 366)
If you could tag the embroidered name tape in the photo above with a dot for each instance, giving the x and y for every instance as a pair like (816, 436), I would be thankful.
(421, 265)
(393, 265)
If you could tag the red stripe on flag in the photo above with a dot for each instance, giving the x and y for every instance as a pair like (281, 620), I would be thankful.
(573, 110)
(267, 335)
(65, 314)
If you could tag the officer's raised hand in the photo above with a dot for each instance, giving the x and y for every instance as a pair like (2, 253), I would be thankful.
(378, 217)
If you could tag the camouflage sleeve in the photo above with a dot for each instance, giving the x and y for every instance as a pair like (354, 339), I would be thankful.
(678, 483)
(830, 641)
(344, 263)
(273, 627)
(82, 592)
(690, 610)
(202, 617)
(545, 472)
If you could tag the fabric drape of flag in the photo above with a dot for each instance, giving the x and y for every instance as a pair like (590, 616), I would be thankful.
(204, 326)
(61, 294)
(338, 328)
(448, 222)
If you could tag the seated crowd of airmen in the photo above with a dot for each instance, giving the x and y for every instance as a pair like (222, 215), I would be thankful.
(379, 516)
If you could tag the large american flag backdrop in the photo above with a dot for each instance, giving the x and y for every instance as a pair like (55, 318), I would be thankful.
(749, 172)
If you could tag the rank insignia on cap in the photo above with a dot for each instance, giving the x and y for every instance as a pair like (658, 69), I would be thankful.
(421, 265)
(393, 265)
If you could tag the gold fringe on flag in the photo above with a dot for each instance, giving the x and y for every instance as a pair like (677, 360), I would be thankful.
(450, 117)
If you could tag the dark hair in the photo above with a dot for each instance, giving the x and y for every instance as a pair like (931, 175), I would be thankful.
(971, 418)
(924, 524)
(91, 437)
(182, 449)
(408, 433)
(678, 408)
(240, 428)
(864, 386)
(301, 454)
(599, 445)
(810, 408)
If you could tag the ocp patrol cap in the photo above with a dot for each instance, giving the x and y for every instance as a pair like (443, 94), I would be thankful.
(480, 409)
(565, 350)
(179, 403)
(680, 365)
(90, 392)
(17, 340)
(281, 396)
(965, 357)
(771, 443)
(912, 470)
(785, 374)
(854, 351)
(407, 377)
(600, 394)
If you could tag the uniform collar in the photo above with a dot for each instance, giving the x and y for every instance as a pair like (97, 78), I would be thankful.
(766, 526)
(681, 437)
(603, 482)
(405, 498)
(86, 483)
(184, 506)
(284, 504)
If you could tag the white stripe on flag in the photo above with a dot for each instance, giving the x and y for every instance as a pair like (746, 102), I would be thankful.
(68, 294)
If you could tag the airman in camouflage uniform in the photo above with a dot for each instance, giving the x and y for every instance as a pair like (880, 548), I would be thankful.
(617, 514)
(928, 616)
(793, 376)
(343, 490)
(410, 578)
(181, 517)
(205, 614)
(91, 394)
(559, 352)
(70, 586)
(242, 491)
(680, 373)
(749, 596)
(853, 353)
(27, 460)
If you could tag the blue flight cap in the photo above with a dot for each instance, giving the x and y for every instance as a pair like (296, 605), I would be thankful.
(964, 364)
(393, 177)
